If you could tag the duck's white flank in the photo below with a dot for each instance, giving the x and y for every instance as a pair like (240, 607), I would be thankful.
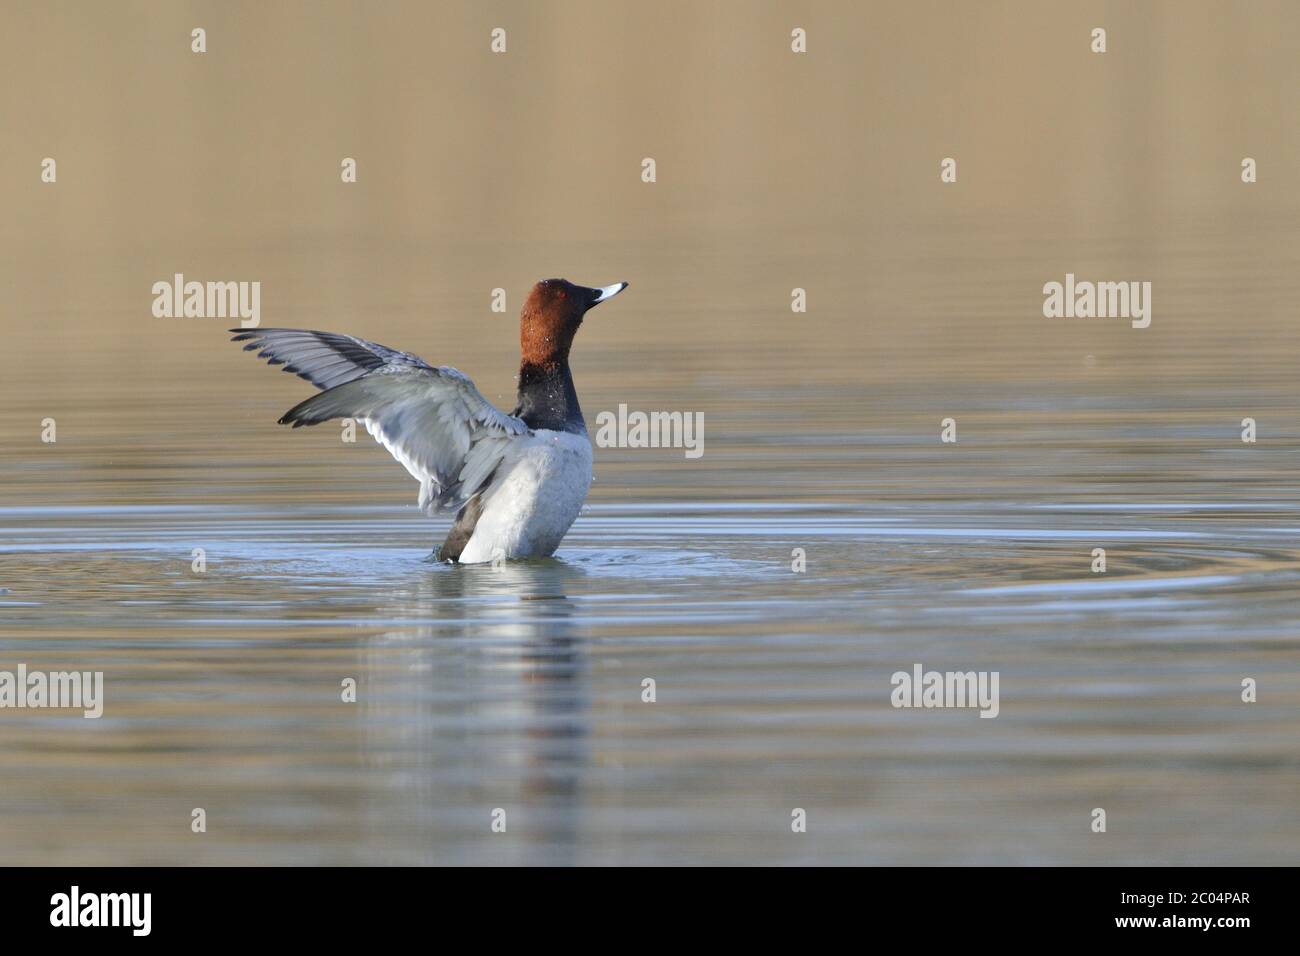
(534, 499)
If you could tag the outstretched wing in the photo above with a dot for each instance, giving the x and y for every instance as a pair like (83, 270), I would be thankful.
(433, 420)
(325, 359)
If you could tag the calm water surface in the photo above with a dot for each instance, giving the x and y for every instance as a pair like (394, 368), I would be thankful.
(520, 688)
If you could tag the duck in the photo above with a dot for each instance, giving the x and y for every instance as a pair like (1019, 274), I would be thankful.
(515, 482)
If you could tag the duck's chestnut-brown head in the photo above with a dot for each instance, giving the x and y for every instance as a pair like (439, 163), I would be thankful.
(551, 316)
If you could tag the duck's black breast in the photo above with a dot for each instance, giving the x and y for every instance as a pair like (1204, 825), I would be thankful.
(548, 398)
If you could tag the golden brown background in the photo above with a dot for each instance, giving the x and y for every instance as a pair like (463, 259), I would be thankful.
(776, 170)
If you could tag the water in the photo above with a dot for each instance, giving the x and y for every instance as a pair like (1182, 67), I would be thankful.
(520, 688)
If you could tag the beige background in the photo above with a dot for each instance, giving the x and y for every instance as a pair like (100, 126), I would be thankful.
(775, 170)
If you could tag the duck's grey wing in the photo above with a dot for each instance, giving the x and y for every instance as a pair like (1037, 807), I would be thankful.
(325, 359)
(432, 420)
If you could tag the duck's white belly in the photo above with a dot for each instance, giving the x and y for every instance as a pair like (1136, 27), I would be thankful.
(536, 495)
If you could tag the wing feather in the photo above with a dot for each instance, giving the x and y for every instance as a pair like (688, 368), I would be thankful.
(432, 420)
(325, 359)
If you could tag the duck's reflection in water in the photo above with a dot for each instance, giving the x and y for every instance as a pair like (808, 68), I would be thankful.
(481, 704)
